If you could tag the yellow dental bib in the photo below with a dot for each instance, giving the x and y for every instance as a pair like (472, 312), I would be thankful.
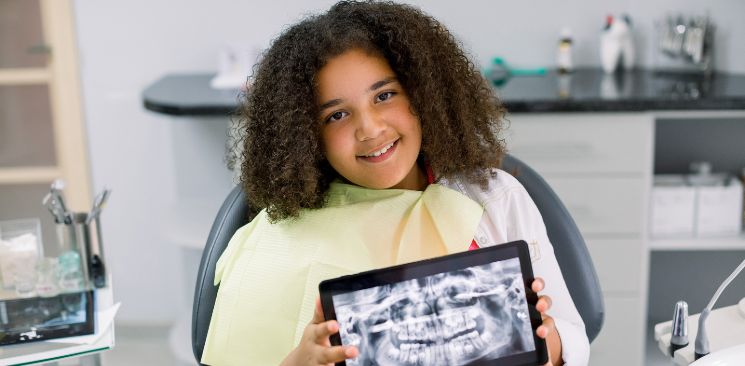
(269, 273)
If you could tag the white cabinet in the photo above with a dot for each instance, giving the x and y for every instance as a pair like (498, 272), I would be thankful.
(614, 259)
(621, 342)
(600, 165)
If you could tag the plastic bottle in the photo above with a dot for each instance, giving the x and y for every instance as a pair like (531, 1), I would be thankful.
(564, 53)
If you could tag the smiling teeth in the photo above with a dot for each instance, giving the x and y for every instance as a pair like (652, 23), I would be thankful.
(381, 151)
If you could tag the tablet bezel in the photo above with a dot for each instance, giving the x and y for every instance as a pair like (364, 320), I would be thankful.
(384, 276)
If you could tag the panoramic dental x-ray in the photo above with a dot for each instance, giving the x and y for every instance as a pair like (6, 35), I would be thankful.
(478, 313)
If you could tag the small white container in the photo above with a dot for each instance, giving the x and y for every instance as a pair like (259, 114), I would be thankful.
(719, 209)
(673, 207)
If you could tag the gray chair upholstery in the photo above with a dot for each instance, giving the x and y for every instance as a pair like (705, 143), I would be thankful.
(569, 247)
(234, 213)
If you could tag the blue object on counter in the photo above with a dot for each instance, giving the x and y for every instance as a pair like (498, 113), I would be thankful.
(500, 72)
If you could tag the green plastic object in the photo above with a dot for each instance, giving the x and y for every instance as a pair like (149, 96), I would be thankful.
(498, 61)
(500, 71)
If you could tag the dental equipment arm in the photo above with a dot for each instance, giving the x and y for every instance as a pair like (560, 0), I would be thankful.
(702, 341)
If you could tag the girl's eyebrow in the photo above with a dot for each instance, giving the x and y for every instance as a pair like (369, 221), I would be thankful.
(379, 84)
(375, 86)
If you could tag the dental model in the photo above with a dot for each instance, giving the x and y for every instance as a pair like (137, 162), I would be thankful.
(616, 44)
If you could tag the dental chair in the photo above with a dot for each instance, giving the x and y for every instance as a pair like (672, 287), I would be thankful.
(569, 247)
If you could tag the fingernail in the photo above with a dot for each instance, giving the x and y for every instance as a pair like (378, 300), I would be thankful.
(332, 327)
(350, 352)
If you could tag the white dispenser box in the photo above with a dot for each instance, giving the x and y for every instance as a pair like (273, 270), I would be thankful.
(719, 209)
(673, 207)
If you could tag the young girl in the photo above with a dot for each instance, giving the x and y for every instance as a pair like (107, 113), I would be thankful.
(370, 140)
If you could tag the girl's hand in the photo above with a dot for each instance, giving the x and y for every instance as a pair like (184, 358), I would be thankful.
(315, 347)
(547, 330)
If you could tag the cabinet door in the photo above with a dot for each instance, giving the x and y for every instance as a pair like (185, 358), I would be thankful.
(41, 128)
(619, 265)
(594, 143)
(603, 206)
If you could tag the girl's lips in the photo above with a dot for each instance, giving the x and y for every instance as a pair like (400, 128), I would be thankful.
(381, 157)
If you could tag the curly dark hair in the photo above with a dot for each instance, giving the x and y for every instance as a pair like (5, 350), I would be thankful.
(283, 165)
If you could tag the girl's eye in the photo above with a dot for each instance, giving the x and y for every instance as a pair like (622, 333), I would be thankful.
(335, 116)
(384, 96)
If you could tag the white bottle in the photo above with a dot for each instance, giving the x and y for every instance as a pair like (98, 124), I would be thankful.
(564, 53)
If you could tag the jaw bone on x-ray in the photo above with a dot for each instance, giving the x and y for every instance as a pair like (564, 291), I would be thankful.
(453, 318)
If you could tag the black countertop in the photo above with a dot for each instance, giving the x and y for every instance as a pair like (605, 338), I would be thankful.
(584, 90)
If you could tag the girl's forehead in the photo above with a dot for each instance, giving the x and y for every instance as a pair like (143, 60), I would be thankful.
(353, 71)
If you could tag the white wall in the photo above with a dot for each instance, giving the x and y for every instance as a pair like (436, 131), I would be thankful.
(526, 33)
(167, 173)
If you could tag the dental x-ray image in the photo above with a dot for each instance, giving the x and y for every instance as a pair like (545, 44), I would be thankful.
(474, 314)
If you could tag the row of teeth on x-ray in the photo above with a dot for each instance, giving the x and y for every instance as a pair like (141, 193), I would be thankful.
(460, 347)
(428, 330)
(436, 339)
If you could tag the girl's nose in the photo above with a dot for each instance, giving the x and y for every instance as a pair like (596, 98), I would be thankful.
(369, 126)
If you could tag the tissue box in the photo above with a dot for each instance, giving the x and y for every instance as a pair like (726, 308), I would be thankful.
(673, 207)
(719, 209)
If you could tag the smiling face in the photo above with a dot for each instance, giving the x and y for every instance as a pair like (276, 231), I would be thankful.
(370, 135)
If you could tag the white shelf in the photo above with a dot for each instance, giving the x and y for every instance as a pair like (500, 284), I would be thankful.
(713, 243)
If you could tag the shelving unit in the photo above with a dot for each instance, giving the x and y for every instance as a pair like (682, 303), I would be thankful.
(55, 84)
(690, 268)
(683, 138)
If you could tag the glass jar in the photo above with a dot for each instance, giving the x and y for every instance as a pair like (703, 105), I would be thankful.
(70, 272)
(47, 282)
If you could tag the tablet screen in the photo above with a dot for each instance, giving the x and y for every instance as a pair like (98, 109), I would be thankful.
(446, 311)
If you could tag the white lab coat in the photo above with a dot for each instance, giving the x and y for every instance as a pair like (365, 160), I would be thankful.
(510, 214)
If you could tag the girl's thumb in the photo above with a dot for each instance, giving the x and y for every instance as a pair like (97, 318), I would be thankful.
(318, 313)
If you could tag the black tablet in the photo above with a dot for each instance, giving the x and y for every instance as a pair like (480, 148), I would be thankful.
(470, 308)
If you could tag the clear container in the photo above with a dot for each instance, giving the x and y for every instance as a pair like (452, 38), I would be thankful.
(20, 250)
(71, 277)
(47, 281)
